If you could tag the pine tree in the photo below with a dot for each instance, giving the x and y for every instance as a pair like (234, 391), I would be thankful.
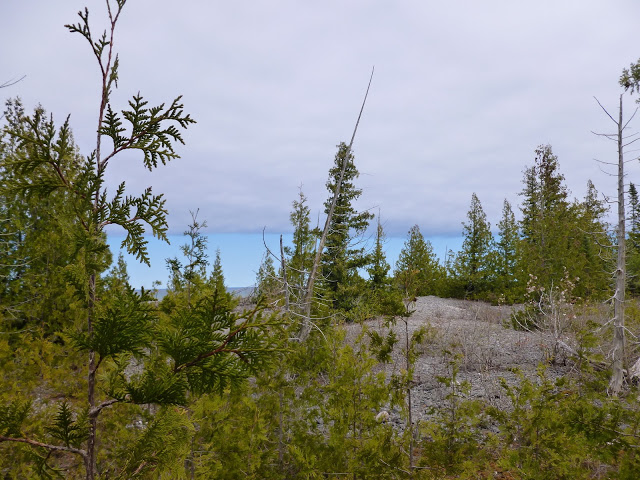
(417, 269)
(473, 266)
(343, 255)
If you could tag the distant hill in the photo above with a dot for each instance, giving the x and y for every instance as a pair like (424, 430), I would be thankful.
(241, 292)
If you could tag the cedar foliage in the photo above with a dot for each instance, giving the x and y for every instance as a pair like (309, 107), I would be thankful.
(132, 356)
(171, 398)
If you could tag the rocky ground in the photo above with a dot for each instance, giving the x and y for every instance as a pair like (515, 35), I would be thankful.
(489, 350)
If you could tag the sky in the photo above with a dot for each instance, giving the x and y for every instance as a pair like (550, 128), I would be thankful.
(463, 93)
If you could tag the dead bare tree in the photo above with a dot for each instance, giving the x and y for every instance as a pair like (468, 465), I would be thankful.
(308, 293)
(618, 347)
(11, 82)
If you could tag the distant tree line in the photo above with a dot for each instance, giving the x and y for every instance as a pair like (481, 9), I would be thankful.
(556, 237)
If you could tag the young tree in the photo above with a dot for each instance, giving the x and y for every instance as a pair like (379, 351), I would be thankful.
(382, 297)
(506, 253)
(473, 266)
(268, 286)
(222, 300)
(417, 269)
(186, 277)
(300, 254)
(379, 268)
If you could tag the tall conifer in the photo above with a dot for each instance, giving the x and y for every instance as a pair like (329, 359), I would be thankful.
(344, 253)
(473, 266)
(506, 253)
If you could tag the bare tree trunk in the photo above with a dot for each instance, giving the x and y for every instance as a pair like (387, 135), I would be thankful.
(618, 347)
(617, 376)
(308, 297)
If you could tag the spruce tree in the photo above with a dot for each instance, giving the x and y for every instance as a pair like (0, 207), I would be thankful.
(634, 210)
(633, 244)
(184, 278)
(417, 269)
(473, 265)
(506, 254)
(344, 253)
(379, 268)
(222, 300)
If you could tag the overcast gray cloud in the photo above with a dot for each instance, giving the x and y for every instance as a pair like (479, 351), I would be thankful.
(463, 93)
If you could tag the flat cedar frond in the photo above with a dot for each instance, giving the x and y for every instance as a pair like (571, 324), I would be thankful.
(112, 127)
(65, 428)
(123, 326)
(157, 384)
(12, 417)
(151, 130)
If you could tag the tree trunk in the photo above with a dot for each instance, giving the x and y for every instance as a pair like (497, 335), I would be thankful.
(90, 459)
(308, 297)
(617, 376)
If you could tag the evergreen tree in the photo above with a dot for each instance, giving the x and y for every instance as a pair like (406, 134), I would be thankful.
(383, 298)
(301, 253)
(417, 269)
(633, 244)
(379, 268)
(268, 286)
(592, 260)
(37, 235)
(473, 265)
(184, 278)
(221, 299)
(506, 253)
(343, 255)
(547, 223)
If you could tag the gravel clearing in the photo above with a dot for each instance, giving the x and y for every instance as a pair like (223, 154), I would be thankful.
(488, 349)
